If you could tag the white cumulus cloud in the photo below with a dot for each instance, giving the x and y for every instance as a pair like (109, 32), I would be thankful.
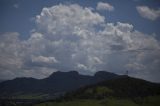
(72, 37)
(104, 6)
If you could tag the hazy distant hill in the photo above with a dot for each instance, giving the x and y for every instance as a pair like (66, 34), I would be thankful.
(57, 83)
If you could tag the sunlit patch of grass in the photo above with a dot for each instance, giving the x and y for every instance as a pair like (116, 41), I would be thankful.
(73, 103)
(148, 101)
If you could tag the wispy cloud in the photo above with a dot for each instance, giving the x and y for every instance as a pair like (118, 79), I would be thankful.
(16, 5)
(148, 13)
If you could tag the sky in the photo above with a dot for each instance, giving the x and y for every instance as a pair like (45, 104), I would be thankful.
(39, 37)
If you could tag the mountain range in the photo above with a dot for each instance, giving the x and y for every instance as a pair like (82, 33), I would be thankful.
(61, 88)
(56, 84)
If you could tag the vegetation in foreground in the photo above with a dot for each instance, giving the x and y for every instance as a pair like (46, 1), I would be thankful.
(147, 101)
(124, 91)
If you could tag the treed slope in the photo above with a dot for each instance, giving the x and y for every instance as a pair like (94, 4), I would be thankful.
(121, 91)
(132, 87)
(123, 87)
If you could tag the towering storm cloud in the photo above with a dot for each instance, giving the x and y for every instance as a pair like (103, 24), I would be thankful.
(72, 37)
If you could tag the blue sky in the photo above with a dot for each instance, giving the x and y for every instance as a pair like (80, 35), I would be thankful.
(27, 9)
(130, 27)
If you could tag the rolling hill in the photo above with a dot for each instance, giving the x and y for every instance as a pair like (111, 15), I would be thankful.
(122, 91)
(122, 87)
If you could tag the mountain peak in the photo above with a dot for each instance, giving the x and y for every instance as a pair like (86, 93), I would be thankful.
(62, 73)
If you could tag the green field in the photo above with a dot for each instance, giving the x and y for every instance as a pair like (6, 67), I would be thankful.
(30, 96)
(148, 101)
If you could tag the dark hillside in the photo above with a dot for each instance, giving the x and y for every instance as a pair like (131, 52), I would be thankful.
(123, 87)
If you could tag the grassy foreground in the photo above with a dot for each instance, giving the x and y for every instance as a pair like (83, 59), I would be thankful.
(148, 101)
